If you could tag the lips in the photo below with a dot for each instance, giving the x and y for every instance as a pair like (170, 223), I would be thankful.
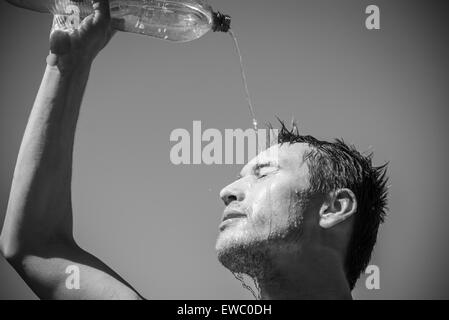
(233, 214)
(231, 217)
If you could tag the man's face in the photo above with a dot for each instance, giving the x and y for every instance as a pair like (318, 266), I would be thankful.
(266, 204)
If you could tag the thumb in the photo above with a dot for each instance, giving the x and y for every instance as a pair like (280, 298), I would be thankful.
(59, 42)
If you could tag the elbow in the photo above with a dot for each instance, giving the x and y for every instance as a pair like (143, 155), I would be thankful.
(14, 250)
(3, 250)
(11, 249)
(7, 249)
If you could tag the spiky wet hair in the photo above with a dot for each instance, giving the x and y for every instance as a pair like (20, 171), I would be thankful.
(335, 165)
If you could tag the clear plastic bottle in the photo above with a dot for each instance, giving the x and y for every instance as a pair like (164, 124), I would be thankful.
(173, 20)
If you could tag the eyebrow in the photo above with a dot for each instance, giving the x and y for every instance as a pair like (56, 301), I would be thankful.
(260, 165)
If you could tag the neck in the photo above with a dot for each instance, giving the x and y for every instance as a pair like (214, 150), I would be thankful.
(317, 276)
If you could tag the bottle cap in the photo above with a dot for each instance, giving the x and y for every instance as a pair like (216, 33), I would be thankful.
(221, 22)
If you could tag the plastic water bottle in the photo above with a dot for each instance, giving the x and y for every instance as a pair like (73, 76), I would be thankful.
(173, 20)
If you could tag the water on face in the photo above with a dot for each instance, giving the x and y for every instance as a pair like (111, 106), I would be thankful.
(245, 84)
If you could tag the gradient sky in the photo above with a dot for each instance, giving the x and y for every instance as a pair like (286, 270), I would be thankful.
(156, 223)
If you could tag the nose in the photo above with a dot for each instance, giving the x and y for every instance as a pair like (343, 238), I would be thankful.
(231, 193)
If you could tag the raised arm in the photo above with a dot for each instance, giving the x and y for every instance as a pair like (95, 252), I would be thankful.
(37, 237)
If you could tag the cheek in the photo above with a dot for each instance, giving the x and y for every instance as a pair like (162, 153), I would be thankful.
(273, 205)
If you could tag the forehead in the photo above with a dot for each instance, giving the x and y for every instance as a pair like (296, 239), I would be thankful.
(286, 155)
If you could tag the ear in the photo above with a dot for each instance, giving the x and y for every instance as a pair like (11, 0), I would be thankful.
(340, 205)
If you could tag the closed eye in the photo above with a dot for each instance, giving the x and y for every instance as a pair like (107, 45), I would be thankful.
(261, 170)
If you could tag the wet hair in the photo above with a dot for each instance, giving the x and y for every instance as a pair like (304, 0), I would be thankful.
(335, 165)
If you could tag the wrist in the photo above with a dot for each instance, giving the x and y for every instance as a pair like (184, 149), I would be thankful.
(67, 64)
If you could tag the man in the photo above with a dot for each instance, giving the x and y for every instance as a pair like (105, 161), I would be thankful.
(301, 220)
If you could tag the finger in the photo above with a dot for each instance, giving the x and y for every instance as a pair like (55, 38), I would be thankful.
(101, 9)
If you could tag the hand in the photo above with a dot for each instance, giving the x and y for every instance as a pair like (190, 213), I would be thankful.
(71, 45)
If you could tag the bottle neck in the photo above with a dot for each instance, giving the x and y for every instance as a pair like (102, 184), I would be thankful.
(220, 22)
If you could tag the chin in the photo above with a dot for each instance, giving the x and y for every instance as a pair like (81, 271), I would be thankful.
(228, 241)
(234, 238)
(240, 253)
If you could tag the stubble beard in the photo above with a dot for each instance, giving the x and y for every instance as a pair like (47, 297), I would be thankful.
(254, 257)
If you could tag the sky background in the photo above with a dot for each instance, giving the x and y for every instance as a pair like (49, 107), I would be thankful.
(156, 223)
